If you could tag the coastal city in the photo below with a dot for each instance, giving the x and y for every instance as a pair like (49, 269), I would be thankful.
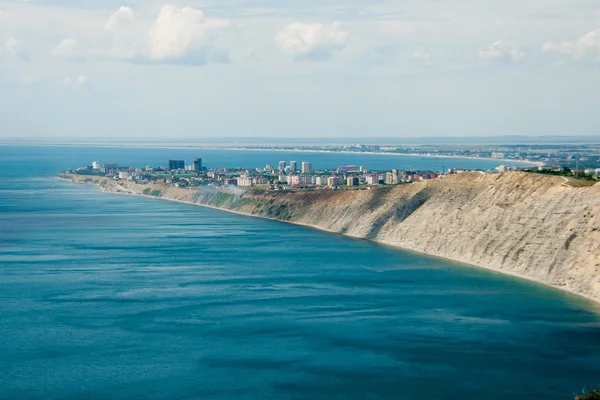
(288, 175)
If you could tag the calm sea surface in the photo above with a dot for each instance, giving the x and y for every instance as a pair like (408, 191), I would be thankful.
(111, 297)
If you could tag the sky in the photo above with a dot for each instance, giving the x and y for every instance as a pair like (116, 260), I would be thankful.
(194, 69)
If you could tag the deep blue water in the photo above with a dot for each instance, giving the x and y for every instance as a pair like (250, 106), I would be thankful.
(111, 297)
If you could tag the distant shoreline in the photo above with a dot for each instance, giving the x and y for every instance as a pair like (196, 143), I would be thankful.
(380, 154)
(233, 148)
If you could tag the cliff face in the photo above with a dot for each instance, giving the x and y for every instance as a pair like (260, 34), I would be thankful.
(534, 226)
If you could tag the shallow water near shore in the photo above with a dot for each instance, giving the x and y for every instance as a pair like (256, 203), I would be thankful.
(106, 296)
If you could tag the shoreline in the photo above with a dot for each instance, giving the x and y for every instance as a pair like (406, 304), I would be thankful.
(592, 300)
(379, 154)
(233, 148)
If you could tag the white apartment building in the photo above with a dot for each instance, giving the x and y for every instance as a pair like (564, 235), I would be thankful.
(372, 179)
(306, 167)
(321, 181)
(245, 181)
(391, 178)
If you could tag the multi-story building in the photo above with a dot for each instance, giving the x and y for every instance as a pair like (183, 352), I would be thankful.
(282, 166)
(96, 165)
(110, 168)
(261, 180)
(306, 167)
(352, 181)
(176, 164)
(245, 181)
(372, 179)
(321, 181)
(293, 166)
(197, 164)
(391, 178)
(333, 181)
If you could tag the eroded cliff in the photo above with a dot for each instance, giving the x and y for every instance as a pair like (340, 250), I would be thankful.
(533, 226)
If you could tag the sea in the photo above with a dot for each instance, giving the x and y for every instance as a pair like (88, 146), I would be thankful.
(105, 296)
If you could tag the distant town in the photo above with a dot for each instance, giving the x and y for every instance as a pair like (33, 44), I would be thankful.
(289, 175)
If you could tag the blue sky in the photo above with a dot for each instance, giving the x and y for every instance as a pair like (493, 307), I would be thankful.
(328, 68)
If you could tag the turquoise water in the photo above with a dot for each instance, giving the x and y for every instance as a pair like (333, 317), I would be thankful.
(104, 296)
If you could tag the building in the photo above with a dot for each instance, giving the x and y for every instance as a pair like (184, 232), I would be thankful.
(498, 155)
(109, 168)
(352, 181)
(123, 174)
(269, 167)
(391, 178)
(344, 169)
(197, 164)
(333, 181)
(282, 166)
(293, 166)
(372, 179)
(245, 181)
(321, 181)
(176, 164)
(306, 167)
(96, 165)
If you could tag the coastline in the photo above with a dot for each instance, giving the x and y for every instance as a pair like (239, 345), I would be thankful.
(233, 148)
(563, 288)
(380, 154)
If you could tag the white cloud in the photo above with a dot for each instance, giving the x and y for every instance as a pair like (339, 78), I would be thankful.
(69, 49)
(178, 35)
(78, 81)
(13, 47)
(178, 32)
(315, 42)
(586, 45)
(127, 34)
(501, 51)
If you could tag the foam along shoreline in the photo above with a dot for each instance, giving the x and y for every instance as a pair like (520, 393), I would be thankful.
(578, 277)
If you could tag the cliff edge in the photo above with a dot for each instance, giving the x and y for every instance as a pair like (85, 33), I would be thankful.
(538, 227)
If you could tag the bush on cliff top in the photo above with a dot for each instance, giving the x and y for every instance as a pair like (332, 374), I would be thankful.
(593, 394)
